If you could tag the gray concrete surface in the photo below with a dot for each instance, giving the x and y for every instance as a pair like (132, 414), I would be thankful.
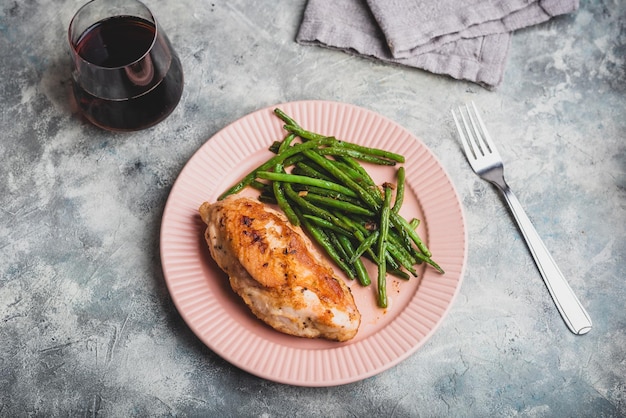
(87, 327)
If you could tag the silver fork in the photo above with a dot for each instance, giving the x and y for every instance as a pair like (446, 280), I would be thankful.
(487, 163)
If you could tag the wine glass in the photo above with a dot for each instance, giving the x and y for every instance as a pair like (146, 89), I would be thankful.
(126, 75)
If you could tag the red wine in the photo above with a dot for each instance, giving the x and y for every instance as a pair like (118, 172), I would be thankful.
(127, 75)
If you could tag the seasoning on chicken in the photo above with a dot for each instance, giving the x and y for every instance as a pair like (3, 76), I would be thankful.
(276, 270)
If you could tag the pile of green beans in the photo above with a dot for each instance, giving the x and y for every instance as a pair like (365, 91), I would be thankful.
(332, 197)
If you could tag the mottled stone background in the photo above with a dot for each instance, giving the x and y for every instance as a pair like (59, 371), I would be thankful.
(86, 323)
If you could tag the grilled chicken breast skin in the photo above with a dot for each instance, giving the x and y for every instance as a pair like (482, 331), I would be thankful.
(275, 269)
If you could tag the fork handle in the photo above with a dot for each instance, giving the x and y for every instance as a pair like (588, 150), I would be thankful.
(573, 313)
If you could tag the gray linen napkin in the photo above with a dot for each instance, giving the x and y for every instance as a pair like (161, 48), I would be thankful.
(465, 39)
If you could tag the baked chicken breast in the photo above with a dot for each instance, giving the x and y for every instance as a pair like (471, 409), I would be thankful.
(276, 270)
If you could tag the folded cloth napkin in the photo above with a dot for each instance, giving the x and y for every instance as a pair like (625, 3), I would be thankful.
(465, 39)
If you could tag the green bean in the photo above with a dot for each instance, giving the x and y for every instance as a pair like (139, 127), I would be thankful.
(382, 276)
(267, 199)
(300, 158)
(426, 259)
(403, 251)
(355, 174)
(338, 204)
(401, 237)
(399, 190)
(321, 170)
(294, 178)
(326, 192)
(285, 118)
(293, 160)
(400, 274)
(404, 245)
(302, 133)
(311, 208)
(364, 246)
(371, 151)
(401, 224)
(342, 151)
(323, 223)
(359, 232)
(339, 248)
(328, 165)
(417, 257)
(306, 169)
(322, 239)
(274, 147)
(279, 146)
(283, 203)
(286, 143)
(362, 232)
(351, 162)
(279, 158)
(277, 188)
(403, 258)
(361, 271)
(353, 222)
(259, 185)
(382, 247)
(348, 145)
(414, 223)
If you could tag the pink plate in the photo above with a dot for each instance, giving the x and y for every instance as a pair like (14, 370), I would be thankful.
(202, 294)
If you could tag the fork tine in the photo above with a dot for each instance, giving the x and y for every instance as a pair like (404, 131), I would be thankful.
(473, 134)
(467, 145)
(476, 132)
(486, 141)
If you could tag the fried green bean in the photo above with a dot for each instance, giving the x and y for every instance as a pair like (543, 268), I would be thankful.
(323, 223)
(401, 256)
(401, 224)
(302, 168)
(303, 133)
(285, 118)
(312, 209)
(330, 167)
(322, 239)
(382, 276)
(347, 152)
(341, 251)
(359, 232)
(399, 274)
(382, 247)
(364, 246)
(294, 178)
(281, 199)
(361, 272)
(264, 198)
(271, 163)
(400, 178)
(326, 192)
(428, 260)
(356, 174)
(351, 162)
(338, 204)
